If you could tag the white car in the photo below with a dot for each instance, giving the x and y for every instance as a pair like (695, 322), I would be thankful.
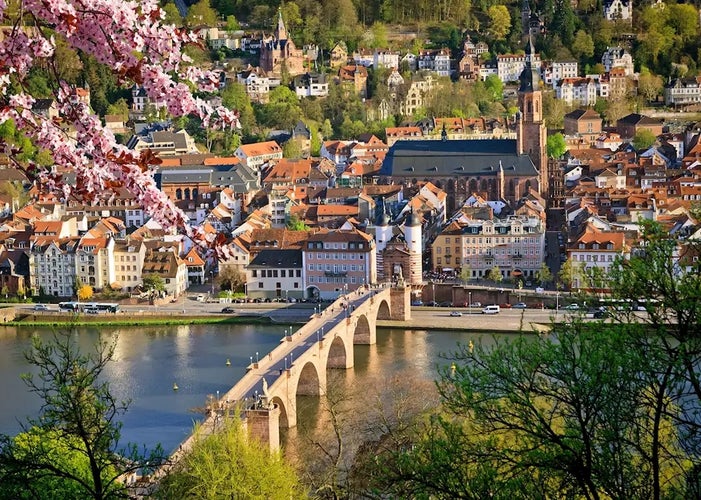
(493, 309)
(456, 314)
(41, 307)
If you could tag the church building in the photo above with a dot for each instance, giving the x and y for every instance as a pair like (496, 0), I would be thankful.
(498, 169)
(278, 53)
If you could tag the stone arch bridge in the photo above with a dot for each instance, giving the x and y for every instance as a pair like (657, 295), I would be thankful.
(298, 366)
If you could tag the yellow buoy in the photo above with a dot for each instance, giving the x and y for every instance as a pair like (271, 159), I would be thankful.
(175, 387)
(228, 362)
(471, 346)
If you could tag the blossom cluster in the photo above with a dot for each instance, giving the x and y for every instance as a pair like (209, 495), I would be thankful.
(131, 38)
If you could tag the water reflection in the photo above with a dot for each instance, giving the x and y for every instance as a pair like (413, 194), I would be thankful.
(149, 360)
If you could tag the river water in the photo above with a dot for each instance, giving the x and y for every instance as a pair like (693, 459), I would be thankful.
(150, 360)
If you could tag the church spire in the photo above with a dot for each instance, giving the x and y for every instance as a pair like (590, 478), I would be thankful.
(280, 30)
(529, 78)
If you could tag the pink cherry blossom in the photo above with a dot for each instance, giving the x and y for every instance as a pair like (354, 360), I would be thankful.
(131, 38)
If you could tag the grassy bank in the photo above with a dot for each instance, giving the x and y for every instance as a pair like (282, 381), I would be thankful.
(33, 321)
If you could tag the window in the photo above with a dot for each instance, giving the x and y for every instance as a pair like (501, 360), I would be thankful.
(298, 273)
(255, 273)
(282, 273)
(260, 284)
(296, 284)
(311, 267)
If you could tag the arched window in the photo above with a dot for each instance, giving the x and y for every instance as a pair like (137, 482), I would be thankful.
(194, 194)
(187, 193)
(178, 194)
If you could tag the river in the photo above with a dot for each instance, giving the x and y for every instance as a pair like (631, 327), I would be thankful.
(149, 360)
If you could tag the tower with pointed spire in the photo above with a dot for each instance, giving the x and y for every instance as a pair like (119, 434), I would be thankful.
(278, 53)
(280, 29)
(531, 136)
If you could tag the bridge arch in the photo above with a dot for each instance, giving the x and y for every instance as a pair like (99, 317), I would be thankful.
(309, 381)
(383, 310)
(284, 419)
(364, 332)
(340, 354)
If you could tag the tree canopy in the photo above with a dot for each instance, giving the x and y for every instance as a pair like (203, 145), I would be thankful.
(72, 449)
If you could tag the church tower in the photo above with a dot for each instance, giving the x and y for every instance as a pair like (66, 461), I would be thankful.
(280, 29)
(532, 134)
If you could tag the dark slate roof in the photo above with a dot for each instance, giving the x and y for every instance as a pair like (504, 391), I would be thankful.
(186, 176)
(278, 259)
(456, 158)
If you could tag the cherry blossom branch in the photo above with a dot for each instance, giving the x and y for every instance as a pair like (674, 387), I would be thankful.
(130, 38)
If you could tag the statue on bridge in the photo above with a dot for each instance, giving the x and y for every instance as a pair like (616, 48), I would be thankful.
(398, 275)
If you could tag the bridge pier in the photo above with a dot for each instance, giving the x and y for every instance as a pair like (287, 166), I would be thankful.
(263, 425)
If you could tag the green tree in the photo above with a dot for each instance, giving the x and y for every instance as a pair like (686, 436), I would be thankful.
(282, 110)
(553, 111)
(73, 446)
(543, 274)
(379, 36)
(232, 23)
(153, 283)
(296, 224)
(556, 145)
(172, 14)
(499, 21)
(229, 465)
(570, 273)
(670, 288)
(234, 97)
(495, 275)
(201, 14)
(465, 273)
(495, 87)
(643, 139)
(119, 108)
(537, 417)
(230, 278)
(292, 149)
(649, 85)
(583, 45)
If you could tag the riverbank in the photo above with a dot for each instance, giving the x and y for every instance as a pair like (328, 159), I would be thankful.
(64, 321)
(509, 321)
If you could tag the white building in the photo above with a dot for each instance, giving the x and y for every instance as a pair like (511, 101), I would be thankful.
(510, 66)
(311, 85)
(276, 274)
(618, 57)
(618, 10)
(577, 91)
(385, 59)
(437, 61)
(52, 266)
(559, 70)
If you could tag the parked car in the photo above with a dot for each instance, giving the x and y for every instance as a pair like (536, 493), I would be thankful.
(476, 304)
(456, 314)
(432, 304)
(506, 305)
(601, 314)
(41, 307)
(520, 305)
(571, 307)
(445, 304)
(417, 303)
(228, 310)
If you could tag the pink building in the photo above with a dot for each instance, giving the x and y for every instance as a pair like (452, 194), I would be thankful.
(337, 261)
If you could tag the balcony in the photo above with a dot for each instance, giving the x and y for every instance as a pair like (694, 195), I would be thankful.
(336, 274)
(517, 256)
